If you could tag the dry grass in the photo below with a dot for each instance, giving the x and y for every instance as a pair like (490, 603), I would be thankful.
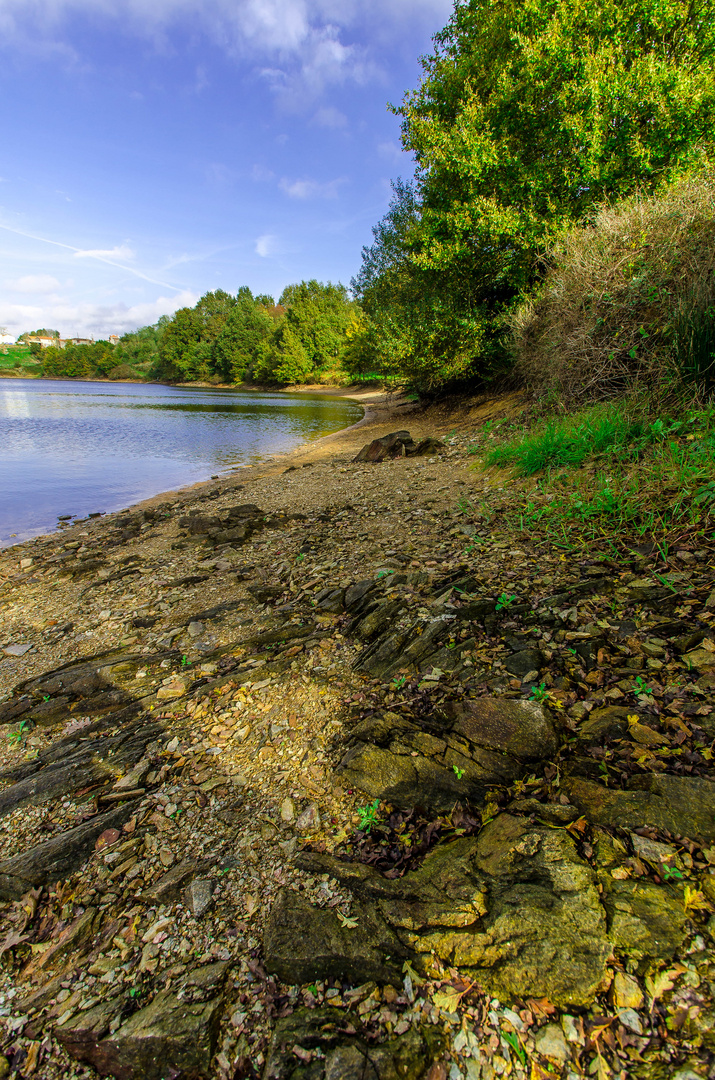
(616, 295)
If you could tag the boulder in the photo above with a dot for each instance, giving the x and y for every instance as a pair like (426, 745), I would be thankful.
(342, 1053)
(682, 805)
(174, 1035)
(303, 943)
(394, 445)
(516, 908)
(59, 856)
(482, 743)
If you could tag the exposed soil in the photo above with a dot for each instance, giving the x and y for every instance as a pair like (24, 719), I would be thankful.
(257, 715)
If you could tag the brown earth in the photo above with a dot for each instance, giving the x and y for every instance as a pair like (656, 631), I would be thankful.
(326, 770)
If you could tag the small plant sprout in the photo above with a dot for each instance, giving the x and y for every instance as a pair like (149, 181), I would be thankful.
(459, 773)
(671, 872)
(368, 816)
(17, 736)
(399, 681)
(504, 601)
(185, 662)
(640, 687)
(539, 693)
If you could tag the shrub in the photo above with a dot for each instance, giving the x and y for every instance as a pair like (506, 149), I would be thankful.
(627, 300)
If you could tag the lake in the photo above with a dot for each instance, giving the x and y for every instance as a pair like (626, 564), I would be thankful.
(79, 448)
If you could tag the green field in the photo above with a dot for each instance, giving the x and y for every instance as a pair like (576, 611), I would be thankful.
(18, 358)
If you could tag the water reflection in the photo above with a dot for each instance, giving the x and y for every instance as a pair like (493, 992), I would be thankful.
(82, 447)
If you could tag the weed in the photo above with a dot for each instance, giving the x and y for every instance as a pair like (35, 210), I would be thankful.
(368, 816)
(465, 505)
(299, 558)
(459, 773)
(504, 601)
(513, 1039)
(640, 686)
(539, 693)
(17, 736)
(399, 681)
(185, 662)
(670, 872)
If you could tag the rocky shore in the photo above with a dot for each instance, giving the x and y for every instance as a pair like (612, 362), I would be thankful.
(328, 771)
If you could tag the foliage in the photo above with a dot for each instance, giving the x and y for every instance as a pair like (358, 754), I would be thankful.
(186, 343)
(141, 347)
(242, 344)
(628, 299)
(527, 116)
(311, 339)
(636, 477)
(79, 361)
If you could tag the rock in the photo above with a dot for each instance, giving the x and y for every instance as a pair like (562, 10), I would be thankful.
(303, 943)
(4, 1067)
(630, 1019)
(646, 922)
(309, 819)
(59, 856)
(550, 1043)
(196, 629)
(17, 650)
(516, 908)
(394, 445)
(198, 896)
(175, 1034)
(682, 805)
(626, 992)
(288, 811)
(524, 662)
(427, 448)
(342, 1054)
(486, 742)
(653, 852)
(169, 887)
(331, 600)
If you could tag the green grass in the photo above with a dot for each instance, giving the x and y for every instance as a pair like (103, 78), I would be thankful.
(613, 472)
(17, 357)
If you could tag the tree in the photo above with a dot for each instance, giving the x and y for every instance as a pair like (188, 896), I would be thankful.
(241, 346)
(528, 115)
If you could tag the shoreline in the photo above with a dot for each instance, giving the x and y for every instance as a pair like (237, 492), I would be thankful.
(218, 691)
(368, 399)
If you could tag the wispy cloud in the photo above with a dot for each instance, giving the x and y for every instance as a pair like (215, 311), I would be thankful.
(266, 245)
(330, 117)
(303, 46)
(311, 189)
(101, 254)
(121, 252)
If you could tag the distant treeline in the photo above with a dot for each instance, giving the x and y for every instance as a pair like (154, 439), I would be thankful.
(308, 335)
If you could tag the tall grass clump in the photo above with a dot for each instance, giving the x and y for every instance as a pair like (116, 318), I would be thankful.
(627, 301)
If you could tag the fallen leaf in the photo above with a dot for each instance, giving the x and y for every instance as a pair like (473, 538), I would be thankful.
(346, 921)
(662, 982)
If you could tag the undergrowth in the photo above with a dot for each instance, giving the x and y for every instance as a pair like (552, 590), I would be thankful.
(611, 471)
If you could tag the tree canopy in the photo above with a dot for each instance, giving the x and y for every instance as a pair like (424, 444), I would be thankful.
(528, 115)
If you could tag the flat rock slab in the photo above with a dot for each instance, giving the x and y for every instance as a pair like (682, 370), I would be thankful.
(517, 908)
(60, 856)
(682, 805)
(174, 1035)
(343, 1054)
(303, 943)
(483, 743)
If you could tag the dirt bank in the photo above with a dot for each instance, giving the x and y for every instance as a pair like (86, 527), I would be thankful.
(326, 768)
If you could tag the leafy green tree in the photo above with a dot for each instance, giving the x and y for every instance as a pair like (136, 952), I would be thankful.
(312, 337)
(527, 116)
(241, 347)
(185, 346)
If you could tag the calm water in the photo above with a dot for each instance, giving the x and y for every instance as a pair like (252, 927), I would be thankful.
(77, 448)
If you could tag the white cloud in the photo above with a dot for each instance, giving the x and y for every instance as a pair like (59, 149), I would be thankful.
(91, 320)
(311, 189)
(34, 283)
(266, 245)
(330, 117)
(121, 252)
(306, 42)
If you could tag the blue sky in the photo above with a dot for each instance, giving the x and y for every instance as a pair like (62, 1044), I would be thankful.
(154, 149)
